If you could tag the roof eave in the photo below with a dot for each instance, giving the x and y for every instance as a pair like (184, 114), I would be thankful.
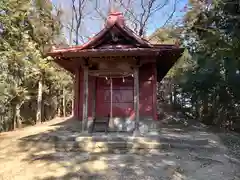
(111, 52)
(163, 67)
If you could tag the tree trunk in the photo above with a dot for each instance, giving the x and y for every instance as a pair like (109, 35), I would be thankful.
(73, 95)
(59, 106)
(59, 111)
(16, 120)
(13, 125)
(198, 108)
(205, 112)
(10, 122)
(64, 103)
(18, 116)
(174, 95)
(39, 101)
(73, 103)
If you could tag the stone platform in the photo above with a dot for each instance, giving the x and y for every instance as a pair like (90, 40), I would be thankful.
(120, 124)
(122, 142)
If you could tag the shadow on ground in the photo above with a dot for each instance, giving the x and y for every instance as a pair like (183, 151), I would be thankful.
(181, 152)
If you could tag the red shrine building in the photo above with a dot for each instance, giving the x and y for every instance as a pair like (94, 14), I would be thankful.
(116, 74)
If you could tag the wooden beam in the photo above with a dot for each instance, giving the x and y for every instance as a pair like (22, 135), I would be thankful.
(154, 84)
(111, 98)
(138, 61)
(136, 98)
(85, 99)
(86, 61)
(77, 94)
(94, 97)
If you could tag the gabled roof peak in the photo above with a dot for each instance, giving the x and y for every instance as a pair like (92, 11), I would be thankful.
(115, 18)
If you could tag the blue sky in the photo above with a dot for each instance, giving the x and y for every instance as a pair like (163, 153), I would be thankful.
(93, 23)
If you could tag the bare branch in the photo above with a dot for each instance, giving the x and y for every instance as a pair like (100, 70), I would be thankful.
(147, 9)
(127, 7)
(171, 15)
(159, 7)
(71, 28)
(127, 10)
(100, 13)
(144, 17)
(142, 4)
(78, 17)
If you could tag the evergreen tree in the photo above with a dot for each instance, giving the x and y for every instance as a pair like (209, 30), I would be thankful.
(29, 80)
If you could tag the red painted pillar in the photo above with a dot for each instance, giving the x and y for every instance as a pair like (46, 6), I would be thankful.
(85, 99)
(136, 98)
(77, 95)
(154, 86)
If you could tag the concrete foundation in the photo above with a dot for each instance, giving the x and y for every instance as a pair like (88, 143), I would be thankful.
(121, 124)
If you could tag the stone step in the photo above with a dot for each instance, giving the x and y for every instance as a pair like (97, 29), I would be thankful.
(137, 144)
(98, 128)
(125, 138)
(100, 142)
(189, 141)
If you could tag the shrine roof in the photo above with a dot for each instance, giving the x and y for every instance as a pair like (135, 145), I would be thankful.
(115, 37)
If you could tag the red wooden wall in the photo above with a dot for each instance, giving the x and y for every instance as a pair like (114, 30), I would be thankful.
(122, 97)
(122, 94)
(147, 90)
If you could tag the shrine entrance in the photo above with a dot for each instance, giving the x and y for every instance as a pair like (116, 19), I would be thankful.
(114, 96)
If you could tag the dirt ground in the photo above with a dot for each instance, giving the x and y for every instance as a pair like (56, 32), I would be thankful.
(30, 154)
